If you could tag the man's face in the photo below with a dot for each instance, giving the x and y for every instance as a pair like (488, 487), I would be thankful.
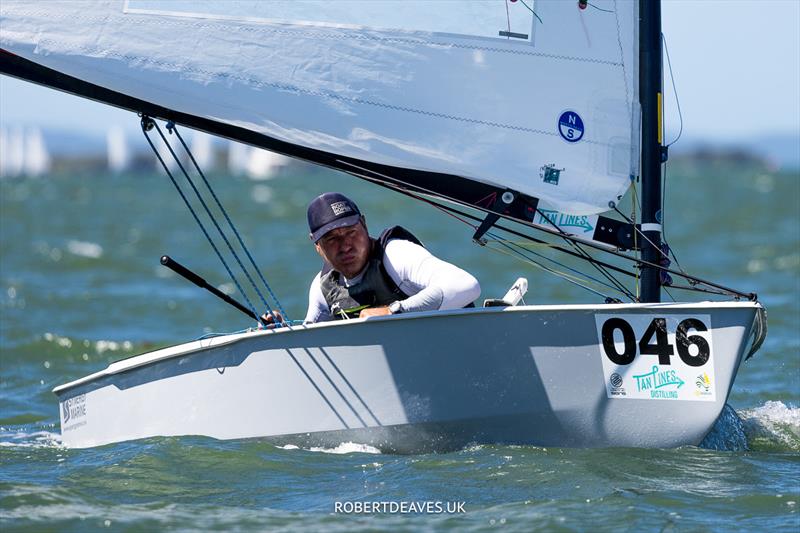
(346, 249)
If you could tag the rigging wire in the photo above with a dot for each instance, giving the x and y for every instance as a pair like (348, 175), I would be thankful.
(521, 250)
(562, 275)
(674, 91)
(639, 231)
(660, 250)
(536, 242)
(147, 122)
(637, 252)
(511, 245)
(585, 254)
(669, 293)
(171, 126)
(508, 21)
(692, 280)
(680, 132)
(213, 220)
(599, 8)
(694, 288)
(532, 11)
(415, 191)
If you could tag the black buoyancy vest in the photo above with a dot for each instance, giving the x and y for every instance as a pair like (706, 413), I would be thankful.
(376, 287)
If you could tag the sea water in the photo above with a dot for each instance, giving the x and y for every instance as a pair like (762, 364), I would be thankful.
(81, 286)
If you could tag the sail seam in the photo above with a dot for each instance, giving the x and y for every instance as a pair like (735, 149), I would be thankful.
(322, 94)
(341, 36)
(624, 70)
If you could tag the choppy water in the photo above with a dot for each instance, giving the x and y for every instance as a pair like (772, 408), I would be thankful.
(81, 286)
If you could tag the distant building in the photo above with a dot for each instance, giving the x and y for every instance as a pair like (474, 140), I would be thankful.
(238, 157)
(203, 150)
(263, 164)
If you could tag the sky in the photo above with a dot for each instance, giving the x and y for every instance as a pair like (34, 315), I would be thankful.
(736, 65)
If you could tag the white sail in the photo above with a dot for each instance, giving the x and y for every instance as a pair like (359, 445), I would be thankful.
(4, 149)
(117, 151)
(549, 109)
(14, 152)
(203, 150)
(37, 158)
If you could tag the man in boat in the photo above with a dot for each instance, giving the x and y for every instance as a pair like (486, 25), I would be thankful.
(364, 277)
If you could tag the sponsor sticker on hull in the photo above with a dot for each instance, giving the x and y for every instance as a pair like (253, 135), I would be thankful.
(666, 357)
(73, 413)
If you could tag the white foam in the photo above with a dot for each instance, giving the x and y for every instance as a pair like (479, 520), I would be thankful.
(348, 447)
(343, 448)
(37, 439)
(774, 421)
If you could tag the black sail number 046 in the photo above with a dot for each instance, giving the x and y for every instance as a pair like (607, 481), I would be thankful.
(661, 346)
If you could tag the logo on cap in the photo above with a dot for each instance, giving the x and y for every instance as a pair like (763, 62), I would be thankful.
(340, 208)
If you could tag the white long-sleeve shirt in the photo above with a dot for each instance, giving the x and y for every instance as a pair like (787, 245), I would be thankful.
(430, 282)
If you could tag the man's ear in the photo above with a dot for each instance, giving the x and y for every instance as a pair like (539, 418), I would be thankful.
(318, 249)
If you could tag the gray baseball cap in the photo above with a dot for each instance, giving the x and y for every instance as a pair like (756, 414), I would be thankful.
(330, 211)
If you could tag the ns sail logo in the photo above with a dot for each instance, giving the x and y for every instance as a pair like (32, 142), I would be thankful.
(570, 126)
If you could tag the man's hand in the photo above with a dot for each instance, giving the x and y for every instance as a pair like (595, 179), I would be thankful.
(375, 311)
(272, 320)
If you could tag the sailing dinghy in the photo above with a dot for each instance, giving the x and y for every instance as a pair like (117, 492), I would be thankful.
(489, 106)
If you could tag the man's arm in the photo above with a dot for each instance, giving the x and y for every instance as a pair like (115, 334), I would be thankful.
(431, 283)
(317, 306)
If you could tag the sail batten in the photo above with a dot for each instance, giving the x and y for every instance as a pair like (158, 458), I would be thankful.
(552, 117)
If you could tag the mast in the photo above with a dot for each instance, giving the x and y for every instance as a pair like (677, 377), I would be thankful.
(650, 83)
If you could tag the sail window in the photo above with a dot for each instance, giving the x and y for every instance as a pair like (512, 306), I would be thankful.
(507, 20)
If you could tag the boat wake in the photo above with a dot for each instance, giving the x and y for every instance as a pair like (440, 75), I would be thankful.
(773, 426)
(343, 448)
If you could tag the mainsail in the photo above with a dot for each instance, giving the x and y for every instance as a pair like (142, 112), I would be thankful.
(490, 91)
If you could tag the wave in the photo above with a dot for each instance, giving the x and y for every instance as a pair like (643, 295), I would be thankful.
(36, 439)
(773, 426)
(50, 348)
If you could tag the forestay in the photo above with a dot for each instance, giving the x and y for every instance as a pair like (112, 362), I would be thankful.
(543, 103)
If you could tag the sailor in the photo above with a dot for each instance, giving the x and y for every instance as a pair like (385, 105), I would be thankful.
(364, 277)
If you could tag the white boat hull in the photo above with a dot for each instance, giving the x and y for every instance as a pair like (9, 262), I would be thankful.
(537, 375)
